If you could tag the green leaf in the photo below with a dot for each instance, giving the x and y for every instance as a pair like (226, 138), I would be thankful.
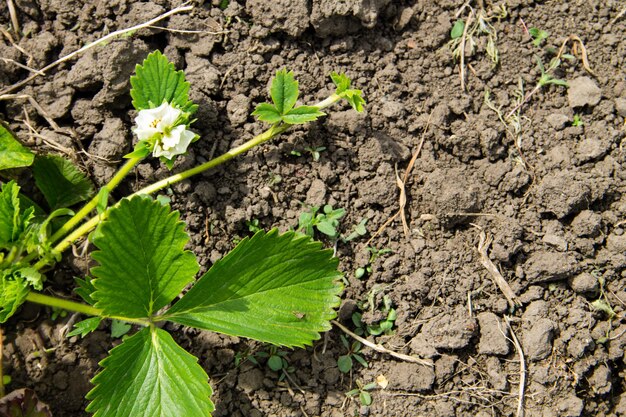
(275, 363)
(12, 153)
(302, 114)
(344, 363)
(157, 81)
(457, 29)
(142, 264)
(149, 375)
(341, 81)
(327, 228)
(83, 328)
(60, 181)
(254, 290)
(365, 397)
(13, 291)
(10, 219)
(267, 113)
(284, 91)
(141, 150)
(84, 289)
(355, 98)
(119, 328)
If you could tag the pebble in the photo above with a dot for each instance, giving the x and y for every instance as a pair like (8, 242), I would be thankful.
(537, 341)
(583, 91)
(584, 283)
(545, 266)
(557, 121)
(316, 194)
(620, 106)
(555, 241)
(493, 339)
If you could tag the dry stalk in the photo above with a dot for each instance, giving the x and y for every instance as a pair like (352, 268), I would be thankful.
(522, 369)
(14, 21)
(583, 51)
(401, 183)
(381, 349)
(496, 276)
(39, 109)
(462, 57)
(180, 9)
(619, 16)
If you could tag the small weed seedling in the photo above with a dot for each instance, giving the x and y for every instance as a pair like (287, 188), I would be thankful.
(538, 35)
(604, 305)
(141, 262)
(383, 326)
(315, 151)
(374, 254)
(346, 362)
(578, 121)
(464, 36)
(276, 361)
(325, 222)
(363, 392)
(253, 226)
(358, 230)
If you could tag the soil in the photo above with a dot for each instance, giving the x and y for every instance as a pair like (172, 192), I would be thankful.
(552, 198)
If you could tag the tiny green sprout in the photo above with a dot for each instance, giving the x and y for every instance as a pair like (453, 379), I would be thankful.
(295, 153)
(315, 151)
(346, 362)
(6, 379)
(578, 121)
(276, 361)
(538, 36)
(253, 225)
(362, 391)
(224, 4)
(374, 254)
(358, 230)
(325, 222)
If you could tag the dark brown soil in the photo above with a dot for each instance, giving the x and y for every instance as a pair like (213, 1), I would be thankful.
(556, 211)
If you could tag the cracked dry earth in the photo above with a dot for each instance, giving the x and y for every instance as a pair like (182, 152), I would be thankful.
(550, 195)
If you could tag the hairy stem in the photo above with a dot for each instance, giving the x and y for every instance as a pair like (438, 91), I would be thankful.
(82, 213)
(38, 298)
(164, 183)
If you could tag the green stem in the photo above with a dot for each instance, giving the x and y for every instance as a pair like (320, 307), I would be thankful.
(159, 185)
(82, 213)
(38, 298)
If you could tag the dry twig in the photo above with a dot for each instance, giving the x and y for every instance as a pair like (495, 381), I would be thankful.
(498, 279)
(522, 369)
(401, 183)
(13, 14)
(183, 8)
(381, 349)
(463, 41)
(583, 51)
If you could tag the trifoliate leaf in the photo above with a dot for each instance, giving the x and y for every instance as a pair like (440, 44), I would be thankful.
(142, 264)
(284, 91)
(302, 114)
(12, 153)
(267, 113)
(274, 288)
(60, 181)
(83, 328)
(13, 292)
(457, 29)
(149, 375)
(156, 81)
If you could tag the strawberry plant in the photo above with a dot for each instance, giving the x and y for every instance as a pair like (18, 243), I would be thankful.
(273, 287)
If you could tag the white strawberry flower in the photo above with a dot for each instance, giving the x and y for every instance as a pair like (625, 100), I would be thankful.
(159, 123)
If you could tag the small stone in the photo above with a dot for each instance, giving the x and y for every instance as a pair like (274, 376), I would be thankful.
(317, 193)
(557, 121)
(393, 109)
(587, 223)
(238, 109)
(591, 149)
(410, 376)
(584, 283)
(493, 339)
(620, 106)
(545, 266)
(537, 342)
(563, 194)
(450, 331)
(616, 242)
(571, 406)
(555, 241)
(583, 91)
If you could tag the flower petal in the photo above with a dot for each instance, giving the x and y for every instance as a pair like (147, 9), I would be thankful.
(169, 116)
